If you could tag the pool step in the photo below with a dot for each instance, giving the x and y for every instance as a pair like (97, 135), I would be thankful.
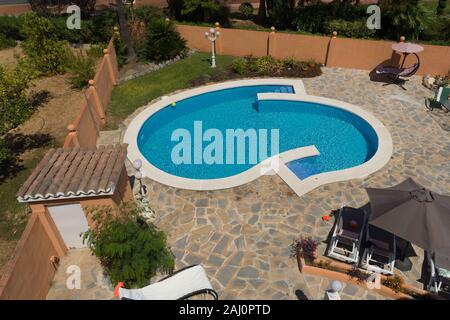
(287, 89)
(304, 168)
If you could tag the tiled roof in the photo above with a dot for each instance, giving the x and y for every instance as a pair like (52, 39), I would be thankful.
(75, 173)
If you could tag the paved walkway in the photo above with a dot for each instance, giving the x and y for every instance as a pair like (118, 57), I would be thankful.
(242, 235)
(93, 283)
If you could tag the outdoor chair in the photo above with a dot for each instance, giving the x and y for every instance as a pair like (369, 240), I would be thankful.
(380, 250)
(347, 234)
(182, 284)
(442, 100)
(439, 277)
(397, 75)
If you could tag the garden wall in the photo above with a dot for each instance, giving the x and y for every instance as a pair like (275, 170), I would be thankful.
(85, 129)
(14, 9)
(331, 51)
(29, 273)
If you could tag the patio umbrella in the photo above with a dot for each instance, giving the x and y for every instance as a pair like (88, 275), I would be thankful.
(413, 213)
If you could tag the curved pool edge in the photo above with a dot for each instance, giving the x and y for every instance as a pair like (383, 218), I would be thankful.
(300, 187)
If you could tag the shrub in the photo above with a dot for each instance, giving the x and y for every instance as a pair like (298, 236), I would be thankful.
(96, 50)
(282, 14)
(14, 104)
(356, 273)
(265, 65)
(82, 69)
(246, 9)
(394, 282)
(11, 26)
(121, 51)
(305, 247)
(312, 18)
(6, 42)
(163, 42)
(240, 66)
(6, 156)
(46, 54)
(402, 18)
(129, 249)
(146, 14)
(351, 29)
(199, 11)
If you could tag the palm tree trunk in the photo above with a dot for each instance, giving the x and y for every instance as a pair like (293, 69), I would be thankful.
(124, 32)
(262, 12)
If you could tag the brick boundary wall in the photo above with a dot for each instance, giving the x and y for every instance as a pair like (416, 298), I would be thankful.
(330, 51)
(85, 129)
(14, 9)
(28, 274)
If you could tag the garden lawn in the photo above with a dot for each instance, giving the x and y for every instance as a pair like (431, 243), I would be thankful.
(130, 95)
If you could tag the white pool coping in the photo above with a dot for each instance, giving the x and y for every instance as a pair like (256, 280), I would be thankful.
(269, 166)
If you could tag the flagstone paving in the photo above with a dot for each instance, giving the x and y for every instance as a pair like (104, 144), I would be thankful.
(242, 235)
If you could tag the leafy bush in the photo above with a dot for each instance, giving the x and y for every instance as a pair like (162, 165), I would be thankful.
(282, 14)
(351, 29)
(199, 11)
(121, 51)
(14, 104)
(264, 65)
(163, 42)
(356, 273)
(268, 66)
(96, 50)
(305, 247)
(11, 26)
(312, 18)
(6, 42)
(6, 156)
(394, 282)
(46, 54)
(240, 66)
(129, 249)
(146, 14)
(246, 9)
(402, 18)
(82, 69)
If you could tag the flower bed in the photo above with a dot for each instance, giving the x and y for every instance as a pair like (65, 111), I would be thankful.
(325, 267)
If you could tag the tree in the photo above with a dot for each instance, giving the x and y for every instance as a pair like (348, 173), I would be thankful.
(402, 18)
(262, 12)
(130, 249)
(46, 7)
(124, 31)
(441, 7)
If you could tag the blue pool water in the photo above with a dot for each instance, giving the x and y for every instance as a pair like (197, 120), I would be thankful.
(343, 139)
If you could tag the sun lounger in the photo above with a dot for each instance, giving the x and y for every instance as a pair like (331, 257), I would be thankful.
(442, 99)
(347, 234)
(439, 277)
(397, 73)
(180, 285)
(379, 254)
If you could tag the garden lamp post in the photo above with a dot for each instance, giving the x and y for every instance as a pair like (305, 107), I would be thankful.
(212, 36)
(137, 164)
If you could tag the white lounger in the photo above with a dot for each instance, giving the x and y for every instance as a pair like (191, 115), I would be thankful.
(180, 285)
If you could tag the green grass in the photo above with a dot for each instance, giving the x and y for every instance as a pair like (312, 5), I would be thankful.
(135, 93)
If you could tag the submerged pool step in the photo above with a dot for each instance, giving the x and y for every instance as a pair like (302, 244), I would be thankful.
(287, 89)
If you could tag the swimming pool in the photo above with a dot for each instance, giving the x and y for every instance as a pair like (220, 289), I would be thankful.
(344, 137)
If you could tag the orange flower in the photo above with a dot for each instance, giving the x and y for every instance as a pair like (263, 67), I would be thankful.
(325, 217)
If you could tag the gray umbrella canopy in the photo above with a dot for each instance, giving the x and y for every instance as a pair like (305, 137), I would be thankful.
(413, 213)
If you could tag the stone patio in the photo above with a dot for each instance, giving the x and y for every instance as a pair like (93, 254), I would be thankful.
(242, 235)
